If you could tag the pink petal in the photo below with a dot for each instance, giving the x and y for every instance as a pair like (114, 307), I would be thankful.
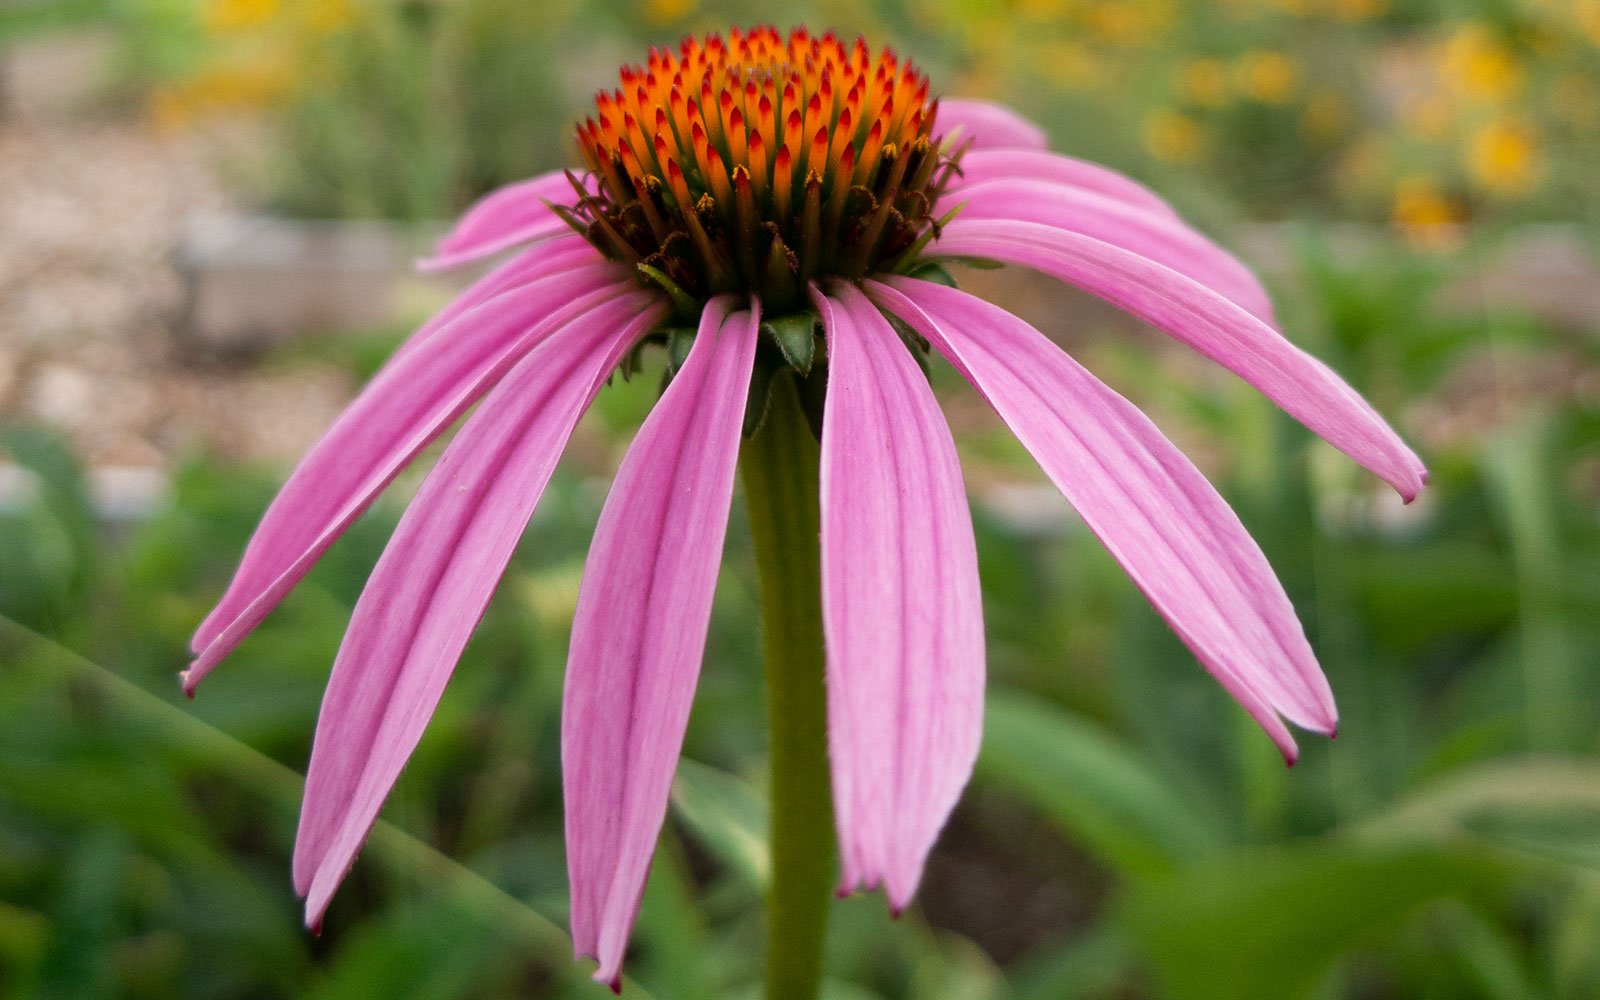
(902, 610)
(640, 629)
(988, 125)
(404, 408)
(553, 256)
(982, 165)
(1221, 330)
(501, 219)
(434, 580)
(1176, 537)
(1158, 236)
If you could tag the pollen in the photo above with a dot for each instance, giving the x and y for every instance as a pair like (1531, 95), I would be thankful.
(760, 162)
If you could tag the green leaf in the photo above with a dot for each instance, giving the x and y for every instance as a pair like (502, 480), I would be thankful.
(726, 816)
(1541, 807)
(934, 272)
(1268, 924)
(1097, 790)
(796, 337)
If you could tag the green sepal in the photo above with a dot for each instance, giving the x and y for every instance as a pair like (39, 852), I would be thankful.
(796, 337)
(934, 272)
(678, 340)
(979, 263)
(755, 406)
(683, 303)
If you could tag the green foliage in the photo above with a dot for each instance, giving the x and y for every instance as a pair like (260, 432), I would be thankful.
(1129, 833)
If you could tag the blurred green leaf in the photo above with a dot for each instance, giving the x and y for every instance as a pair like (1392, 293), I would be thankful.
(1541, 806)
(1097, 790)
(726, 815)
(1267, 924)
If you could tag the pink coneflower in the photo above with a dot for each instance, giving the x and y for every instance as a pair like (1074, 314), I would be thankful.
(736, 193)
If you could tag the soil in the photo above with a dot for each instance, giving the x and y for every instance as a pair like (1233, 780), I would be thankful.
(90, 299)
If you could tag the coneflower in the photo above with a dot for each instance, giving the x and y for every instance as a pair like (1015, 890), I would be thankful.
(772, 212)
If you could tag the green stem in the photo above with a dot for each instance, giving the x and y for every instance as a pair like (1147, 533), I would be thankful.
(780, 466)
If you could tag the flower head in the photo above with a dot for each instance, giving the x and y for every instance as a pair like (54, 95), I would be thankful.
(756, 164)
(728, 183)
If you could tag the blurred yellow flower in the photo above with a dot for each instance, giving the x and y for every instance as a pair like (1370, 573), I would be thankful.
(1203, 82)
(1174, 137)
(232, 17)
(1042, 10)
(1504, 157)
(1428, 218)
(1325, 116)
(1478, 65)
(328, 16)
(1359, 10)
(667, 11)
(1268, 77)
(1116, 22)
(1427, 116)
(1069, 65)
(1128, 23)
(168, 110)
(1588, 12)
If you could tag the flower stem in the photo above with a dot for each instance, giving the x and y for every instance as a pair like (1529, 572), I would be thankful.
(780, 464)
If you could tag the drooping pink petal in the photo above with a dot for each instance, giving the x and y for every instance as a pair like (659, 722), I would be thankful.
(1161, 237)
(1176, 537)
(902, 611)
(405, 407)
(1207, 321)
(983, 165)
(434, 580)
(501, 219)
(640, 629)
(988, 125)
(551, 257)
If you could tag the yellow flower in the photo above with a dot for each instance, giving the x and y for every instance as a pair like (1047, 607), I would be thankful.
(1588, 12)
(169, 109)
(1504, 157)
(232, 17)
(1042, 10)
(1203, 82)
(1478, 65)
(1428, 218)
(1069, 65)
(1359, 10)
(667, 11)
(1268, 77)
(1123, 22)
(1427, 116)
(1174, 138)
(1325, 116)
(328, 16)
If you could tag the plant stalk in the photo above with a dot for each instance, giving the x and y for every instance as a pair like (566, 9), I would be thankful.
(780, 468)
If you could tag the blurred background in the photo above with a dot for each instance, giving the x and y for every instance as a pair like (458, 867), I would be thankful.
(209, 210)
